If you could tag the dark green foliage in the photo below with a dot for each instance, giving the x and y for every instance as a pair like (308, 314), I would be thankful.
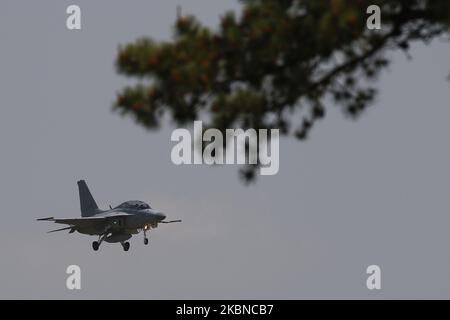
(274, 66)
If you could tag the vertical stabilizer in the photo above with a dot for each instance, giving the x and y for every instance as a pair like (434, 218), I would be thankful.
(88, 205)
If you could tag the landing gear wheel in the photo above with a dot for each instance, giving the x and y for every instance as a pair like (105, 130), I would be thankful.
(146, 241)
(126, 246)
(95, 245)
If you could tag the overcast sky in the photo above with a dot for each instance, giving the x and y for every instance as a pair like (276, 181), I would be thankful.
(375, 191)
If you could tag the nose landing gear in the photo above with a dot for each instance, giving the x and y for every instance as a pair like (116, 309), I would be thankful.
(145, 235)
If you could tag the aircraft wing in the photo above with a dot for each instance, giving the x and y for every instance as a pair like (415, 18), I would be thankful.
(86, 221)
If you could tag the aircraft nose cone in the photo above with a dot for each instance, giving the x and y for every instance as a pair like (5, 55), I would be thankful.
(161, 215)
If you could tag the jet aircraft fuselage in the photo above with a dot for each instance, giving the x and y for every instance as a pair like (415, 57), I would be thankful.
(114, 225)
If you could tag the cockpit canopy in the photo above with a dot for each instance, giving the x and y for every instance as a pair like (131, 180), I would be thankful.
(134, 204)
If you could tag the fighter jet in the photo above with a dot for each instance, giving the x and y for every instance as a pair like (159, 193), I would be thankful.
(114, 225)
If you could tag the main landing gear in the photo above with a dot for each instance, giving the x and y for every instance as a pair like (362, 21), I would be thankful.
(96, 244)
(112, 238)
(125, 245)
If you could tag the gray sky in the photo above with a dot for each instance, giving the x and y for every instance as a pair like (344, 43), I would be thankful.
(375, 191)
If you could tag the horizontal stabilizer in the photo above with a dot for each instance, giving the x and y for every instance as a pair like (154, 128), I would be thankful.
(62, 229)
